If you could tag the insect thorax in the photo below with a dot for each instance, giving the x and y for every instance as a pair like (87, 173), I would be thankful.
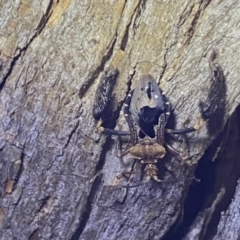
(147, 150)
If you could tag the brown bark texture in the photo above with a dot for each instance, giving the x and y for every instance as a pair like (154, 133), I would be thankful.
(60, 178)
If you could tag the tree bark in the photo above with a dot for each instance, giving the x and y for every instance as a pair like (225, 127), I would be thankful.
(59, 177)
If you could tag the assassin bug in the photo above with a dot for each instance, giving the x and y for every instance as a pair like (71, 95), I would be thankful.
(146, 110)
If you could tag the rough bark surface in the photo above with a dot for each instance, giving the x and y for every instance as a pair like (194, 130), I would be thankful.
(59, 178)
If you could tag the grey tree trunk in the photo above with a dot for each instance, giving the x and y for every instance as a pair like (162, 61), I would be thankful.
(59, 177)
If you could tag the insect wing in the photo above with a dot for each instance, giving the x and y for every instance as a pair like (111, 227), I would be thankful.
(147, 102)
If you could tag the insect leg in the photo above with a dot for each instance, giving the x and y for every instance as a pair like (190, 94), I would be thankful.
(109, 131)
(180, 131)
(186, 130)
(173, 150)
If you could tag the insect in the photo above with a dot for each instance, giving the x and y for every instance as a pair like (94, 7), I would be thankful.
(102, 100)
(101, 105)
(146, 110)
